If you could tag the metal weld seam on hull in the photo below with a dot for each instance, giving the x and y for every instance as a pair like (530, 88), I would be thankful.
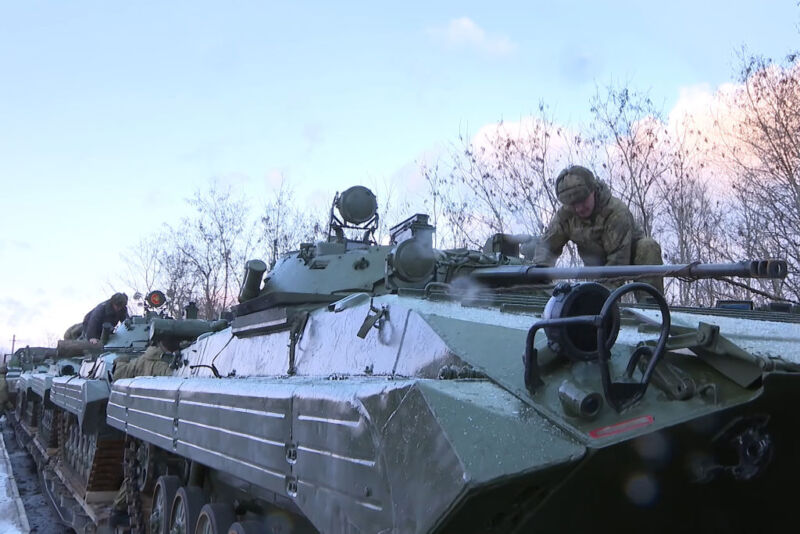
(359, 461)
(231, 432)
(148, 432)
(276, 415)
(150, 414)
(150, 397)
(229, 459)
(120, 421)
(356, 499)
(330, 421)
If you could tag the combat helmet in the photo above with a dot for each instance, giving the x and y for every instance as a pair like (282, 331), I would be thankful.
(574, 184)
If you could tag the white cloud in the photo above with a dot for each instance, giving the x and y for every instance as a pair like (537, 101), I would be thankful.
(704, 109)
(314, 135)
(274, 178)
(703, 120)
(522, 130)
(411, 175)
(463, 32)
(12, 246)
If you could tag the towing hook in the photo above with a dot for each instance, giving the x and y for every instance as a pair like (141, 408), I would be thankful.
(745, 440)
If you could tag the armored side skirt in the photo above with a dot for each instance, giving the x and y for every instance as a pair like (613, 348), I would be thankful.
(86, 399)
(375, 454)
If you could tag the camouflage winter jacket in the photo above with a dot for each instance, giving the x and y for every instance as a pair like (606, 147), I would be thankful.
(605, 238)
(148, 364)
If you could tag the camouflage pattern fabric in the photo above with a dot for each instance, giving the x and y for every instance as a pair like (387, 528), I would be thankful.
(610, 236)
(148, 364)
(647, 251)
(74, 331)
(574, 184)
(605, 238)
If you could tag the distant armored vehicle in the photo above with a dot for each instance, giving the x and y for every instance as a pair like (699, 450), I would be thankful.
(63, 412)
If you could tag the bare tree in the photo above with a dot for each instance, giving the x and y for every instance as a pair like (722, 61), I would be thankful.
(501, 180)
(142, 271)
(691, 218)
(451, 207)
(283, 225)
(763, 151)
(156, 263)
(629, 131)
(177, 279)
(393, 207)
(209, 243)
(201, 259)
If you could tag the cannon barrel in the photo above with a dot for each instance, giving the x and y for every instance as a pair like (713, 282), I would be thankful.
(188, 329)
(521, 274)
(70, 348)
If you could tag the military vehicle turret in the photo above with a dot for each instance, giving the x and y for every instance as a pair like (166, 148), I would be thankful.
(370, 388)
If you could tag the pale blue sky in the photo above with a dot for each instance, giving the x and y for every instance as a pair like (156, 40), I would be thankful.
(111, 113)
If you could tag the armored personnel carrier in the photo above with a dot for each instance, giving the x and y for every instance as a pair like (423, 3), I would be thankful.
(369, 388)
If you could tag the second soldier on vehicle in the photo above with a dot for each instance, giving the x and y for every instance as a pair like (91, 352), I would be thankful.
(112, 311)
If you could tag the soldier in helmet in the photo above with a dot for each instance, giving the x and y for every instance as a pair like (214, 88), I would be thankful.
(601, 226)
(113, 311)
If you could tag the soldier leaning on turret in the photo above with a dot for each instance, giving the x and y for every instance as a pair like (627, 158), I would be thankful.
(601, 226)
(113, 311)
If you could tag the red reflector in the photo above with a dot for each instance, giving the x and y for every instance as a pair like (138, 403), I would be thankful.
(155, 299)
(619, 428)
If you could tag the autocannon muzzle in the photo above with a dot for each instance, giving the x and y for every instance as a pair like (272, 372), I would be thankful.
(768, 269)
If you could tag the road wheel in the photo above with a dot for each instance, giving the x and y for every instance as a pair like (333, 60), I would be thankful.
(145, 467)
(215, 518)
(163, 495)
(186, 506)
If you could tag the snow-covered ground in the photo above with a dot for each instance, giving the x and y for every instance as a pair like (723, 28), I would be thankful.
(13, 519)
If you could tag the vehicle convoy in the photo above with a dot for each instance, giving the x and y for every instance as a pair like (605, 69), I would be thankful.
(367, 388)
(61, 409)
(24, 359)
